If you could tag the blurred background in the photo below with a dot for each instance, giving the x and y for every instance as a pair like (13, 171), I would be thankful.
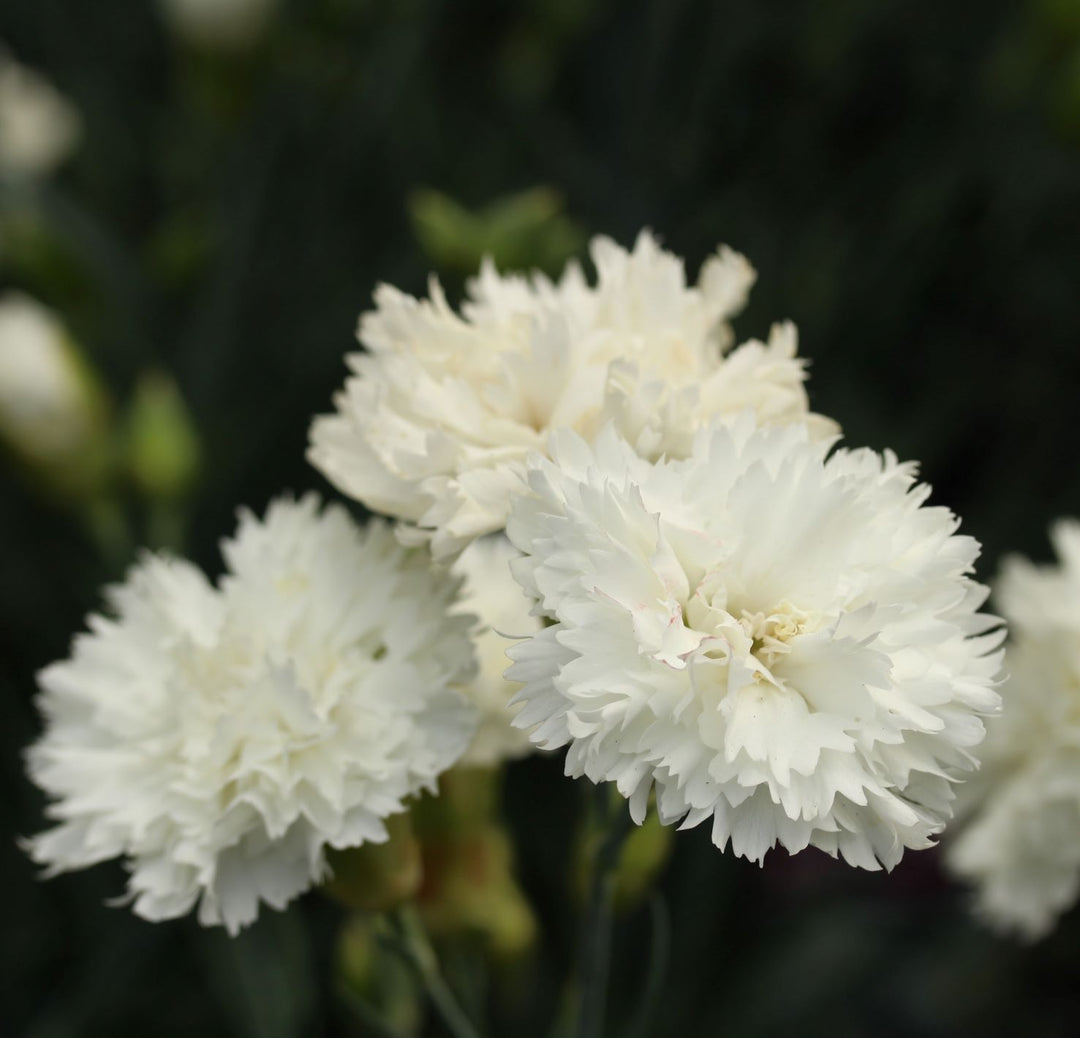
(203, 198)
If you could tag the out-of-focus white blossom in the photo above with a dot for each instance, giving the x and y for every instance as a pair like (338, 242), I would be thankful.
(504, 613)
(435, 424)
(781, 642)
(50, 405)
(221, 739)
(39, 128)
(219, 24)
(1021, 844)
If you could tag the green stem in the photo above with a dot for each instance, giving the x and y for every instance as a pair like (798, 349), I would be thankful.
(110, 530)
(414, 945)
(612, 822)
(165, 526)
(373, 1022)
(659, 952)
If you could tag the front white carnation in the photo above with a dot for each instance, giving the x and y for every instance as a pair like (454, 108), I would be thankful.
(1021, 845)
(785, 643)
(504, 614)
(220, 739)
(443, 409)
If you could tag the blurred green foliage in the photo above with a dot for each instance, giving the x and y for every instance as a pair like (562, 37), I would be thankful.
(526, 231)
(905, 175)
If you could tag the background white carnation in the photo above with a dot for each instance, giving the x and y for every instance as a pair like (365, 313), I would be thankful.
(39, 128)
(436, 422)
(47, 404)
(785, 644)
(504, 613)
(219, 24)
(1021, 845)
(220, 739)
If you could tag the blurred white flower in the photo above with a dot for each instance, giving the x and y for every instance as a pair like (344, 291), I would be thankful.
(38, 127)
(1021, 845)
(219, 24)
(49, 403)
(220, 739)
(785, 643)
(503, 610)
(435, 425)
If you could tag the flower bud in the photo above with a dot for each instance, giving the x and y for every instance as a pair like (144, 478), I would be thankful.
(38, 127)
(528, 229)
(162, 444)
(378, 877)
(53, 411)
(642, 855)
(221, 25)
(383, 982)
(470, 887)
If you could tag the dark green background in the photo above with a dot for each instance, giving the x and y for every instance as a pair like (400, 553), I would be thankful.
(905, 176)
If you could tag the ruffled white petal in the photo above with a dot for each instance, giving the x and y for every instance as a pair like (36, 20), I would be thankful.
(1020, 845)
(442, 410)
(220, 739)
(503, 613)
(779, 640)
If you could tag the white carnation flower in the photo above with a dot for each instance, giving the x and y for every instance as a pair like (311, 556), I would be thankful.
(220, 739)
(785, 643)
(443, 409)
(1021, 845)
(504, 612)
(38, 127)
(219, 24)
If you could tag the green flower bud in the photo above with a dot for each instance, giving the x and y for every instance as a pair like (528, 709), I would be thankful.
(523, 231)
(642, 856)
(377, 877)
(383, 983)
(162, 445)
(470, 888)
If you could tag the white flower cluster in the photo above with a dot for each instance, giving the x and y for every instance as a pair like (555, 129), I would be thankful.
(782, 642)
(220, 739)
(1021, 845)
(785, 643)
(442, 411)
(710, 604)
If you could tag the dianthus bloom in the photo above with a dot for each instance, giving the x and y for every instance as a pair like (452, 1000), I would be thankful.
(784, 642)
(504, 613)
(220, 739)
(1021, 846)
(443, 409)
